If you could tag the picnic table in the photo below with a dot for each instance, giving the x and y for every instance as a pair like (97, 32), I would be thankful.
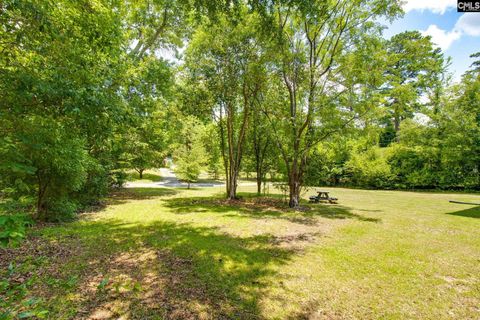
(323, 196)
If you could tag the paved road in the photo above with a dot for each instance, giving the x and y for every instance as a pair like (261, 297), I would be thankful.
(170, 180)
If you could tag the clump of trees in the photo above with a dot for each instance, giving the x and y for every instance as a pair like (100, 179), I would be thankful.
(78, 100)
(308, 91)
(437, 147)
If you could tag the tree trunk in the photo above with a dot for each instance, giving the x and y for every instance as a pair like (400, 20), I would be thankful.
(294, 196)
(235, 148)
(40, 207)
(232, 189)
(140, 172)
(188, 184)
(294, 190)
(396, 125)
(224, 151)
(259, 181)
(232, 178)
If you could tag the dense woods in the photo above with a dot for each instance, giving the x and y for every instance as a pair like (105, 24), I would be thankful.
(306, 93)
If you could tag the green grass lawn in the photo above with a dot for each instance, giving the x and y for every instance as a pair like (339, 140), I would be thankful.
(187, 254)
(148, 176)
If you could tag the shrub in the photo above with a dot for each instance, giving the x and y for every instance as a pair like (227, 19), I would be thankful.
(49, 160)
(12, 228)
(414, 167)
(370, 169)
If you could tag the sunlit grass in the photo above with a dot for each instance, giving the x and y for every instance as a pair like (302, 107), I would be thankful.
(148, 176)
(187, 254)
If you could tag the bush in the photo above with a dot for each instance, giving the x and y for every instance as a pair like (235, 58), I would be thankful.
(326, 164)
(12, 228)
(96, 185)
(370, 169)
(118, 178)
(61, 210)
(48, 160)
(414, 167)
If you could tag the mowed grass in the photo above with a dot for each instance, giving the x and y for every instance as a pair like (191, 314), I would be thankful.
(148, 176)
(187, 254)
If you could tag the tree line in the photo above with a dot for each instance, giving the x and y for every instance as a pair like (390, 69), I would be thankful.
(304, 92)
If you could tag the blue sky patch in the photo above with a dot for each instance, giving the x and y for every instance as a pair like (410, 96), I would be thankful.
(458, 34)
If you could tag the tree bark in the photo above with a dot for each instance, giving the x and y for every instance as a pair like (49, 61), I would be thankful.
(260, 147)
(232, 189)
(294, 194)
(295, 182)
(396, 126)
(40, 207)
(223, 149)
(259, 181)
(235, 148)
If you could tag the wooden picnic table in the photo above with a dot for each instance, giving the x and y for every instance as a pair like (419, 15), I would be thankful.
(323, 196)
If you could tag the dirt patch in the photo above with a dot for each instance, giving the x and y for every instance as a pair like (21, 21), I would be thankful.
(150, 284)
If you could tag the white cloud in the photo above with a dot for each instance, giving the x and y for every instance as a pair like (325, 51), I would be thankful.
(442, 38)
(469, 24)
(436, 6)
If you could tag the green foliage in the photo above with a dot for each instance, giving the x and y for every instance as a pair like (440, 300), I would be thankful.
(49, 160)
(326, 164)
(19, 305)
(69, 90)
(13, 228)
(60, 107)
(214, 154)
(370, 169)
(276, 87)
(414, 67)
(103, 284)
(188, 166)
(141, 153)
(189, 155)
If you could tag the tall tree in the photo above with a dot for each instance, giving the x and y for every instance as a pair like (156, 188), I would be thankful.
(308, 38)
(189, 152)
(261, 154)
(414, 66)
(59, 60)
(460, 127)
(225, 56)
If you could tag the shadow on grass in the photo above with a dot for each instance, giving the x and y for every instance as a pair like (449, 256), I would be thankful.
(252, 206)
(158, 271)
(141, 193)
(105, 269)
(124, 195)
(341, 212)
(469, 213)
(121, 196)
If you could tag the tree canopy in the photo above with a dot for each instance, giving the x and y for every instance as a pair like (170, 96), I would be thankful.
(305, 92)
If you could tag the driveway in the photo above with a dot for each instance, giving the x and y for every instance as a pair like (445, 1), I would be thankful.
(170, 180)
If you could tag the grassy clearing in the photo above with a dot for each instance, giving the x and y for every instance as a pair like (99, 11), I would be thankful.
(187, 254)
(148, 176)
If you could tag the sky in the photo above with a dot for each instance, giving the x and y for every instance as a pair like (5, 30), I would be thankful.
(457, 34)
